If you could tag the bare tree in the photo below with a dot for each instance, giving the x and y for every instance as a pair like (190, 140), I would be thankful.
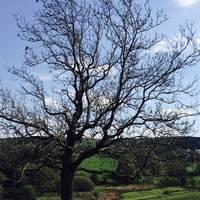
(109, 80)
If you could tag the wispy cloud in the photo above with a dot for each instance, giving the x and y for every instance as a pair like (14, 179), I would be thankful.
(45, 77)
(51, 102)
(187, 3)
(160, 47)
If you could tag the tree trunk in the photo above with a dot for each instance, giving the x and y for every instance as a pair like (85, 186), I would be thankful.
(67, 175)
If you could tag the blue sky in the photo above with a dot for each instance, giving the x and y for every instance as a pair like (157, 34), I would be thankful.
(12, 48)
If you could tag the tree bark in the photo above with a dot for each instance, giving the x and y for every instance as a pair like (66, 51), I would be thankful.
(67, 175)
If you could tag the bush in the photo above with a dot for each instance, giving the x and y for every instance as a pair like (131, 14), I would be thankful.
(2, 177)
(83, 184)
(192, 182)
(27, 192)
(106, 178)
(183, 181)
(45, 180)
(170, 181)
(176, 170)
(145, 180)
(95, 178)
(83, 173)
(1, 192)
(166, 192)
(102, 179)
(24, 192)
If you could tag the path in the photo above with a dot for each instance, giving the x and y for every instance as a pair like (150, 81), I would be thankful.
(109, 196)
(112, 193)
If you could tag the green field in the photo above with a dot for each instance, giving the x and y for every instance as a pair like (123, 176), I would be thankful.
(99, 163)
(170, 193)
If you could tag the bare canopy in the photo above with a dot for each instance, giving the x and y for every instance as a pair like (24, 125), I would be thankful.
(110, 79)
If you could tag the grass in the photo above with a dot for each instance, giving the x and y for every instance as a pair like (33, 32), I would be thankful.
(102, 164)
(99, 190)
(99, 163)
(49, 198)
(83, 173)
(170, 193)
(80, 196)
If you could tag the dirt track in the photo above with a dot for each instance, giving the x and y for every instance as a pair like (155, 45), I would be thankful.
(109, 196)
(112, 193)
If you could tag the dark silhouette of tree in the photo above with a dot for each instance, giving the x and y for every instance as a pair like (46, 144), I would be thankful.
(110, 79)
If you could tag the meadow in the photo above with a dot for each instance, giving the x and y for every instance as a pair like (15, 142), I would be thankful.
(99, 163)
(169, 193)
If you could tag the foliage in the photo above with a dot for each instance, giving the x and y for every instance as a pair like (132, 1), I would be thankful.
(83, 173)
(2, 177)
(175, 169)
(95, 178)
(15, 153)
(1, 192)
(49, 198)
(193, 181)
(146, 180)
(193, 168)
(24, 192)
(83, 184)
(44, 180)
(172, 181)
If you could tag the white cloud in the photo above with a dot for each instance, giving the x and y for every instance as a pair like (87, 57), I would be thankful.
(45, 77)
(175, 111)
(187, 3)
(161, 46)
(51, 102)
(198, 42)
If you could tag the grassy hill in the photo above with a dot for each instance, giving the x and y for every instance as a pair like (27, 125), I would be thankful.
(98, 168)
(171, 193)
(99, 163)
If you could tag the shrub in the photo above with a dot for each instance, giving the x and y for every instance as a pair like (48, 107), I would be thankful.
(45, 180)
(166, 192)
(83, 184)
(1, 192)
(9, 192)
(191, 182)
(145, 180)
(183, 181)
(2, 177)
(24, 192)
(170, 181)
(106, 178)
(83, 173)
(27, 192)
(176, 170)
(95, 178)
